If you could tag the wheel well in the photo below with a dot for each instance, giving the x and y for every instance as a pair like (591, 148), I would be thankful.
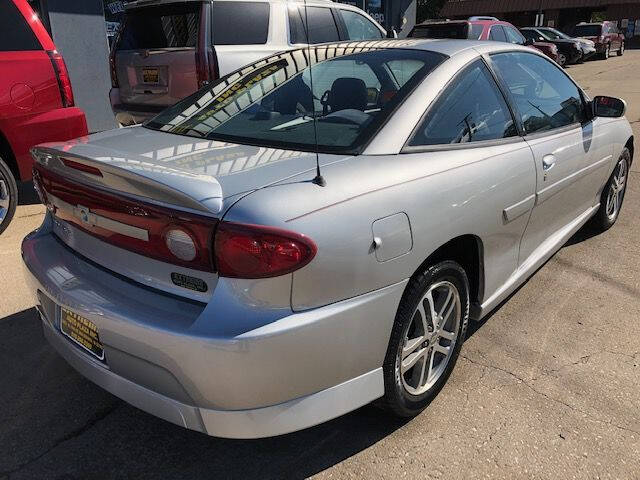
(7, 155)
(629, 145)
(467, 250)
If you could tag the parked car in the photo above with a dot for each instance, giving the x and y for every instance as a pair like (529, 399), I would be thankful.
(169, 49)
(480, 28)
(286, 245)
(605, 35)
(569, 51)
(587, 46)
(36, 99)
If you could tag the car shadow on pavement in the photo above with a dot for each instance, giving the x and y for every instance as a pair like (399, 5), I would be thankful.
(56, 424)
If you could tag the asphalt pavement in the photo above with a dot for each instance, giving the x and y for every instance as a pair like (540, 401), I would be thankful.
(547, 387)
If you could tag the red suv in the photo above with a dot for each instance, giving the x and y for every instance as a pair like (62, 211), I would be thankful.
(480, 28)
(36, 100)
(605, 35)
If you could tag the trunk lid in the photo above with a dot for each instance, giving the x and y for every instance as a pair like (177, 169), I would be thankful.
(156, 54)
(114, 196)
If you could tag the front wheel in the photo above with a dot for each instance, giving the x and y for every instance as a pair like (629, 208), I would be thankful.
(613, 194)
(562, 59)
(8, 195)
(426, 338)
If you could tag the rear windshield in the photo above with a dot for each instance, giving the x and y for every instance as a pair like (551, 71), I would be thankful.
(280, 102)
(587, 30)
(163, 26)
(442, 30)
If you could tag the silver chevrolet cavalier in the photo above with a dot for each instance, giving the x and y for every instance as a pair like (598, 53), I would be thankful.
(313, 232)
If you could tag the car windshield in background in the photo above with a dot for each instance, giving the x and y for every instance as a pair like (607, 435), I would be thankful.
(349, 91)
(554, 34)
(165, 26)
(444, 30)
(587, 30)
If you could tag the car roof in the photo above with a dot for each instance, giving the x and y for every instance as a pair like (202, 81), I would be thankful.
(132, 4)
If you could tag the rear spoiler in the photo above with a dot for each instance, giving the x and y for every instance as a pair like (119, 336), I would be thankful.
(134, 177)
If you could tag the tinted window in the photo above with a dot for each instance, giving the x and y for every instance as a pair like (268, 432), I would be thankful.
(240, 23)
(471, 109)
(359, 27)
(275, 103)
(16, 34)
(530, 34)
(475, 31)
(587, 31)
(513, 36)
(441, 30)
(497, 34)
(323, 25)
(545, 97)
(166, 26)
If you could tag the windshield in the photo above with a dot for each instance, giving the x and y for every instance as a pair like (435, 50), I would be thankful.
(553, 34)
(587, 30)
(441, 30)
(275, 101)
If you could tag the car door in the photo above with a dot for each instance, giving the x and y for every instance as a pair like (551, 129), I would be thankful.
(471, 123)
(570, 158)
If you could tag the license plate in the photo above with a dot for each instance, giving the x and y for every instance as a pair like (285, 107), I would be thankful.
(150, 75)
(81, 331)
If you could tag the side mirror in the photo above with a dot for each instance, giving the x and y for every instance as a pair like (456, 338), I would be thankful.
(529, 41)
(608, 107)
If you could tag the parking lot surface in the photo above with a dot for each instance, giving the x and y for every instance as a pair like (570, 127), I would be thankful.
(547, 387)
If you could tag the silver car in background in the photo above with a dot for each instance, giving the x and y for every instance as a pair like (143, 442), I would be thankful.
(167, 49)
(293, 242)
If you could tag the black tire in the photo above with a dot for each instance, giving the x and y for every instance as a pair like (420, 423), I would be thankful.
(8, 193)
(603, 220)
(397, 398)
(621, 50)
(607, 52)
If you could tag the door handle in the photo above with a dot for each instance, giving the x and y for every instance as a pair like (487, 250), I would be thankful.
(548, 162)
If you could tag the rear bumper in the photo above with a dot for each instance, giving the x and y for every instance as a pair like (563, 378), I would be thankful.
(25, 132)
(292, 373)
(131, 114)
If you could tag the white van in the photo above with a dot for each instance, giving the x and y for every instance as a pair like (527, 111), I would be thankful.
(167, 49)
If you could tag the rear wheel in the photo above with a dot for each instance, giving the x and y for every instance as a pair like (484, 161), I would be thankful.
(427, 335)
(8, 195)
(613, 195)
(621, 51)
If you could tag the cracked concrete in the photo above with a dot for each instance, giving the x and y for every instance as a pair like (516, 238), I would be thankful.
(548, 387)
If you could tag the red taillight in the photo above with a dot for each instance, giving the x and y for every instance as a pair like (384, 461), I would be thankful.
(254, 251)
(64, 82)
(165, 234)
(81, 167)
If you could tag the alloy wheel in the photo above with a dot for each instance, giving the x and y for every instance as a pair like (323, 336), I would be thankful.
(562, 59)
(5, 197)
(616, 190)
(430, 338)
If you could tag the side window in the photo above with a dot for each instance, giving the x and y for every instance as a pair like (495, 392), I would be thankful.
(245, 23)
(16, 34)
(471, 109)
(322, 29)
(359, 27)
(497, 34)
(544, 96)
(513, 36)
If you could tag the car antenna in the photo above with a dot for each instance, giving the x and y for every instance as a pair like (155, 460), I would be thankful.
(319, 179)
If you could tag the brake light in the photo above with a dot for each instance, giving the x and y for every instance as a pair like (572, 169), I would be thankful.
(62, 75)
(255, 251)
(154, 231)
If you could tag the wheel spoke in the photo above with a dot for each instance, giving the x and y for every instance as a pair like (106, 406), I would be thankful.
(4, 194)
(441, 349)
(432, 308)
(423, 316)
(411, 346)
(423, 369)
(451, 336)
(430, 371)
(445, 304)
(411, 360)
